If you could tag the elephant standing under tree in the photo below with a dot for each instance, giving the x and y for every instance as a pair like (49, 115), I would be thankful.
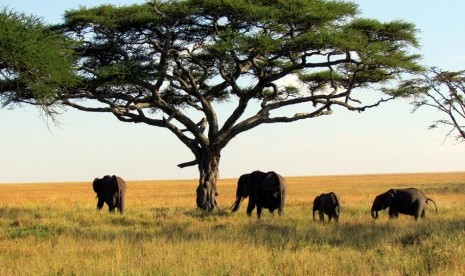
(265, 190)
(409, 201)
(328, 204)
(112, 191)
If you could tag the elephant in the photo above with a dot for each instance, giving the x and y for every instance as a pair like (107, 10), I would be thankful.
(328, 204)
(265, 190)
(409, 201)
(112, 191)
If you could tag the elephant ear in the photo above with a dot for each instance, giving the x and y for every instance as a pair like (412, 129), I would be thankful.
(243, 186)
(272, 183)
(97, 185)
(392, 194)
(316, 203)
(388, 198)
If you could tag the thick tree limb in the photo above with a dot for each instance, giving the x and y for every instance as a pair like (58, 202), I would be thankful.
(188, 164)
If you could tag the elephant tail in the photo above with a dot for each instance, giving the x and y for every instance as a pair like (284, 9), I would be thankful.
(429, 199)
(236, 204)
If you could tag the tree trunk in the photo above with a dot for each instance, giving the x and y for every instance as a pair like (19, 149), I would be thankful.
(206, 191)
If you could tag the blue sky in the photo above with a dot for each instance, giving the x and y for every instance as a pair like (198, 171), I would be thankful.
(388, 139)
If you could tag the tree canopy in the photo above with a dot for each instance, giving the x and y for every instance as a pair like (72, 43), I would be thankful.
(35, 63)
(171, 64)
(443, 91)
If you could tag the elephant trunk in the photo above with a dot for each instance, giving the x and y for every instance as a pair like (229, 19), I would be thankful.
(237, 204)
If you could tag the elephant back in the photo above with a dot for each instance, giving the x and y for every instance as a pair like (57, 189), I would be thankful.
(257, 177)
(409, 195)
(274, 180)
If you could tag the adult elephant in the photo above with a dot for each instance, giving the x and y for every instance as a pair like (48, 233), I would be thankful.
(265, 190)
(409, 201)
(328, 204)
(112, 191)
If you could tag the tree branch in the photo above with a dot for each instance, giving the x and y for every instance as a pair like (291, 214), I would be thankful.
(188, 164)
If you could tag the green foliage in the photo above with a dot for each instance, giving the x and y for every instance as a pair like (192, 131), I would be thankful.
(34, 62)
(443, 91)
(318, 80)
(189, 44)
(408, 88)
(110, 16)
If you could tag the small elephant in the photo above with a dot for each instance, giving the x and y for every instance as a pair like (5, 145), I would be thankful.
(328, 204)
(112, 191)
(409, 201)
(265, 190)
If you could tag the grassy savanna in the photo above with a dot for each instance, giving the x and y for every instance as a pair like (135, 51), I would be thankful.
(55, 229)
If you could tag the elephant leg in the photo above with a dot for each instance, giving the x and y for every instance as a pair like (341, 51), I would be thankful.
(259, 211)
(280, 211)
(419, 213)
(419, 210)
(321, 215)
(250, 207)
(100, 204)
(119, 203)
(392, 213)
(120, 206)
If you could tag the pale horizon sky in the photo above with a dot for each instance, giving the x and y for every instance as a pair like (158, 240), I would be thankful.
(387, 139)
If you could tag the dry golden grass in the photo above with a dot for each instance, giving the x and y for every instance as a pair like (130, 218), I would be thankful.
(54, 229)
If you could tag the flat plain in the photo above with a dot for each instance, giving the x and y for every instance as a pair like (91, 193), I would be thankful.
(54, 229)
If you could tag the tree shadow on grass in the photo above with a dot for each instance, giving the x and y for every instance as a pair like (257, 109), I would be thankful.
(222, 226)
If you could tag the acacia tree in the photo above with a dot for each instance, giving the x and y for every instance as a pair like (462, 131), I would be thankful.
(443, 91)
(34, 62)
(170, 64)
